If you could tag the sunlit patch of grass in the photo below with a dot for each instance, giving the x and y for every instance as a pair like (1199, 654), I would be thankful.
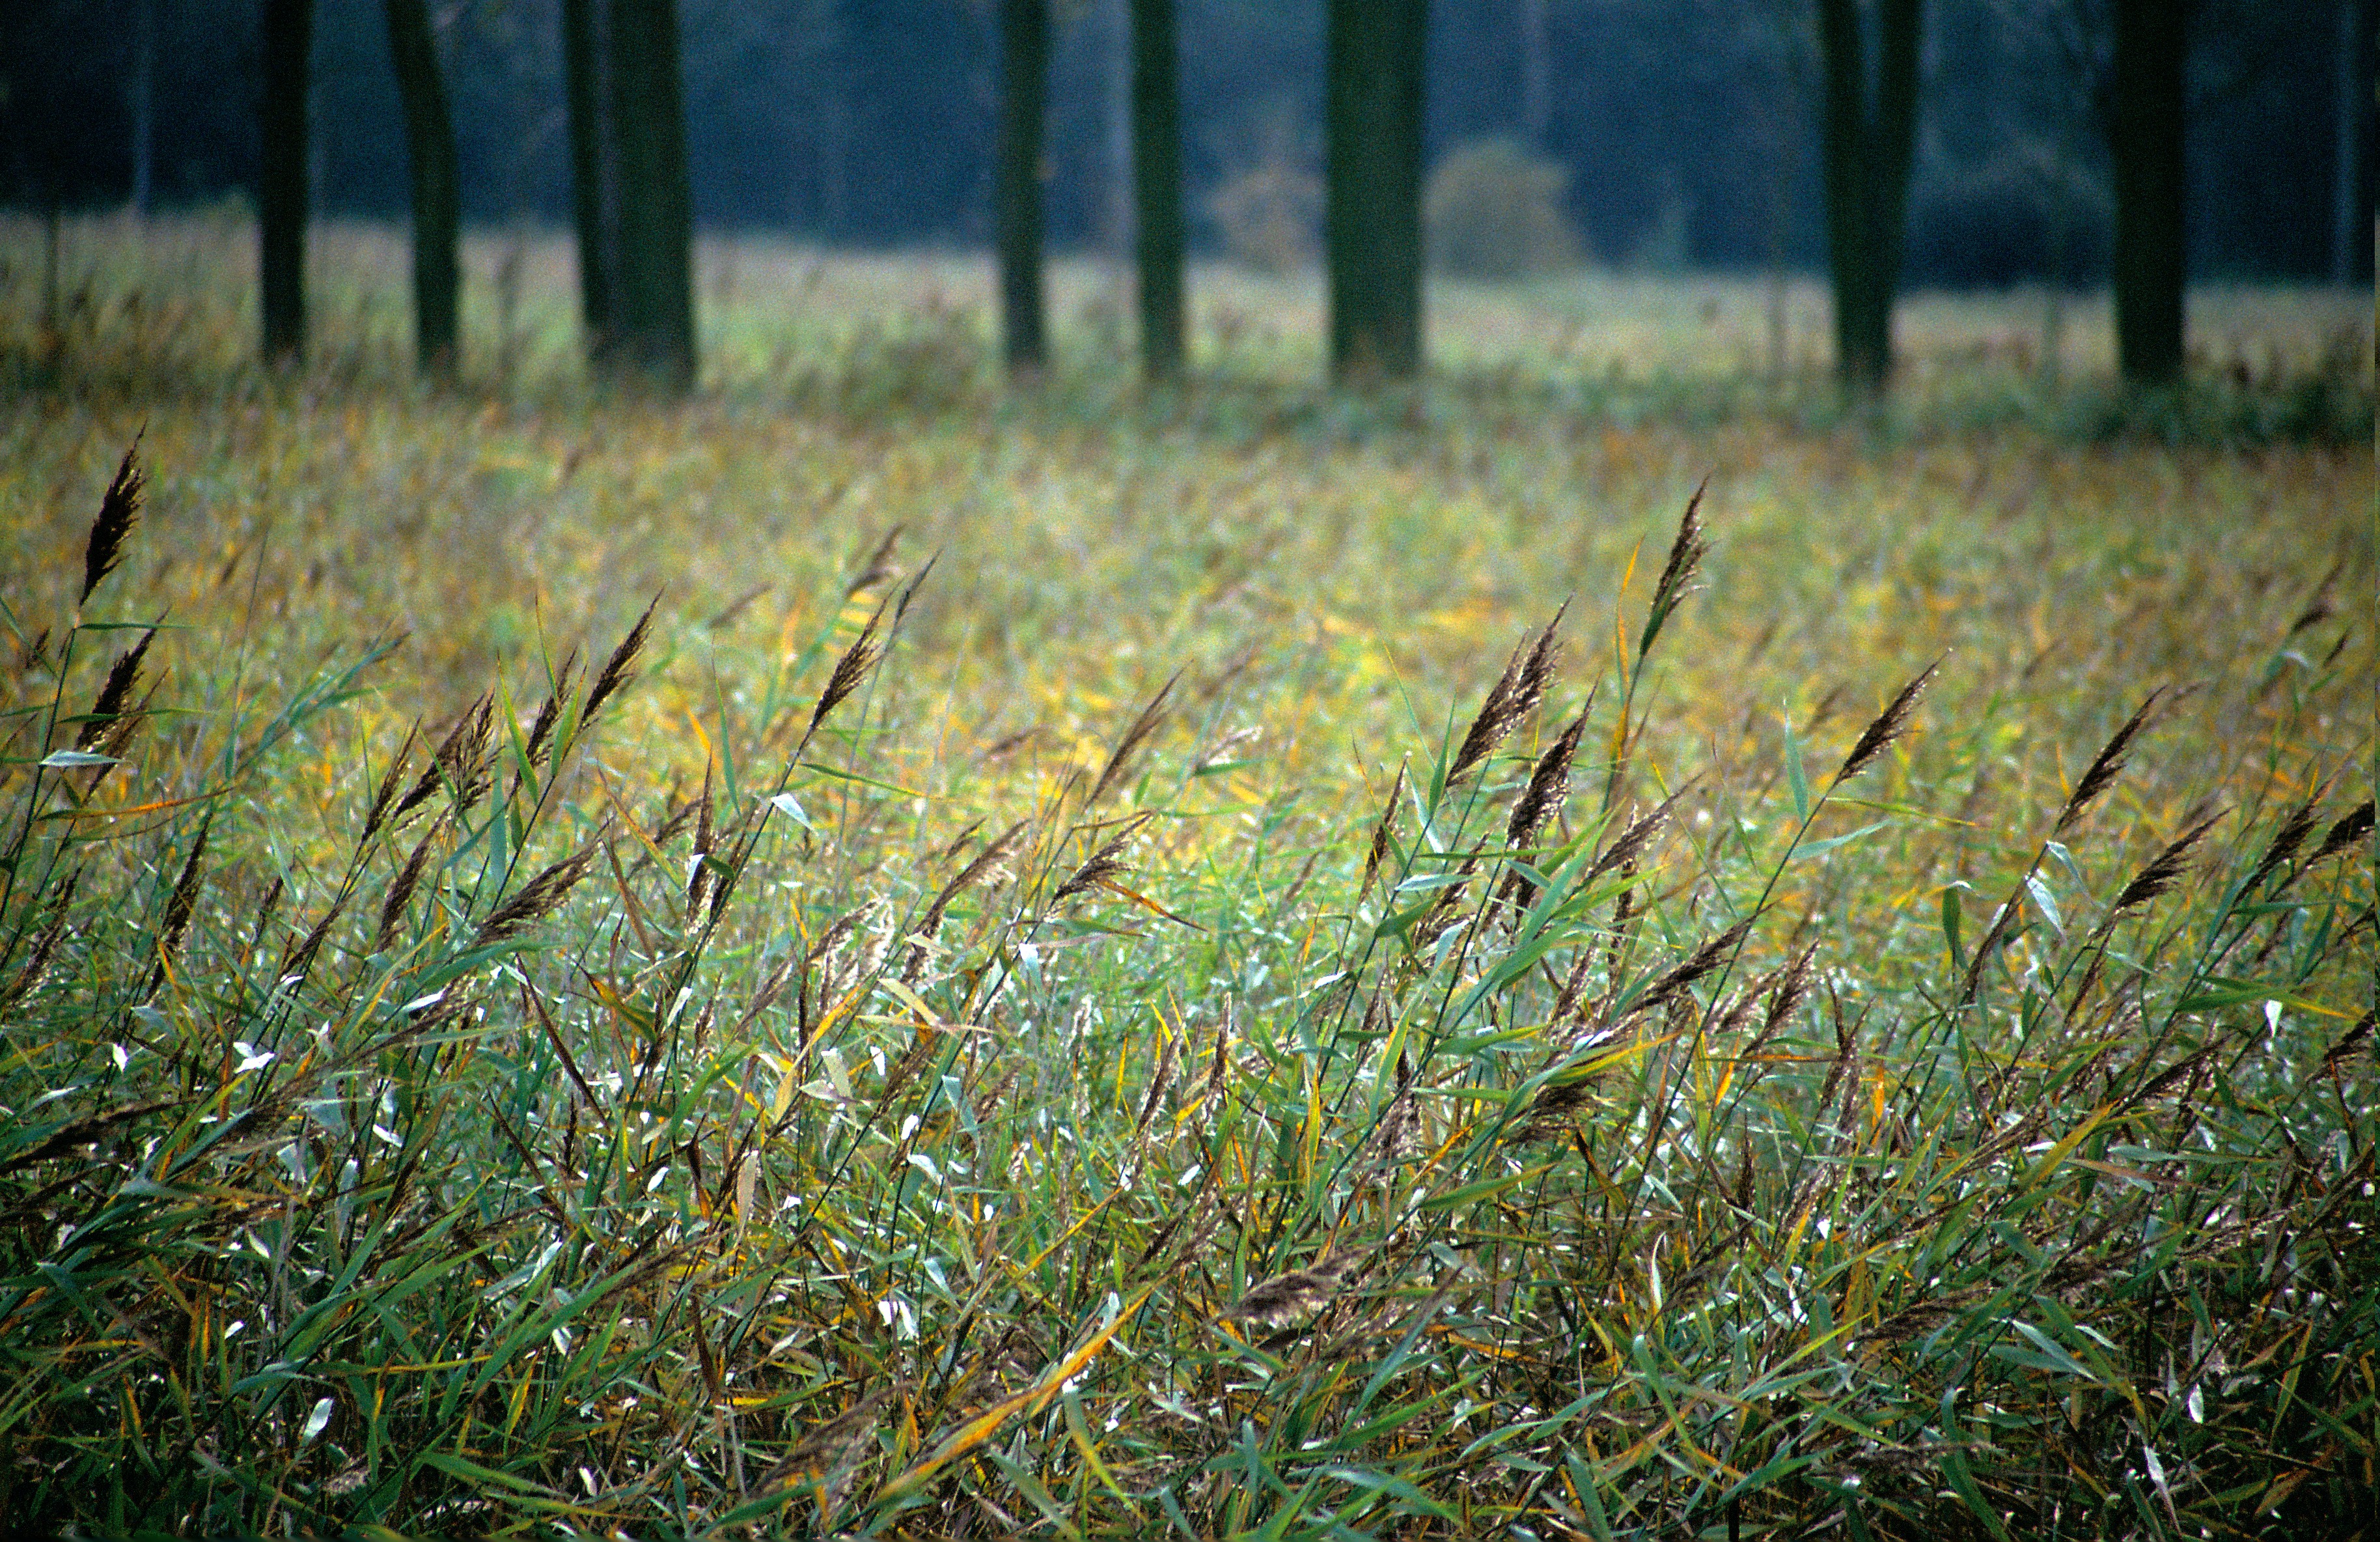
(990, 1105)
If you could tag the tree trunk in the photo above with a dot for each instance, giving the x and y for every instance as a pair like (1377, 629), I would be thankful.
(144, 104)
(2351, 226)
(1372, 196)
(590, 201)
(1157, 184)
(281, 185)
(1870, 132)
(437, 193)
(1017, 195)
(2145, 139)
(656, 212)
(630, 196)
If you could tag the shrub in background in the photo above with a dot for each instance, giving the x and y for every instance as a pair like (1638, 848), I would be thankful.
(1494, 209)
(1270, 216)
(2017, 219)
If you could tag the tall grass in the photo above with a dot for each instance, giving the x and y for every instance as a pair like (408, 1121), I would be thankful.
(160, 309)
(1875, 1127)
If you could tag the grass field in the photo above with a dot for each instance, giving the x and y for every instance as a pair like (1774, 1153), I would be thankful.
(1243, 963)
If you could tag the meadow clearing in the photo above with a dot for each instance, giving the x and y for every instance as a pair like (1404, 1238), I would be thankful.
(865, 954)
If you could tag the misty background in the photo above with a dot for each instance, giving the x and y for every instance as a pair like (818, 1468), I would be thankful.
(1687, 128)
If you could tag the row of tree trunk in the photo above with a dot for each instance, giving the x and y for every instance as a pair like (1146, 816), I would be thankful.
(632, 198)
(633, 203)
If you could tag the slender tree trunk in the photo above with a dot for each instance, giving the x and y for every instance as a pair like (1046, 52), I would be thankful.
(144, 103)
(281, 189)
(656, 210)
(1870, 131)
(2352, 98)
(2144, 138)
(1372, 129)
(630, 196)
(1157, 186)
(1017, 194)
(591, 197)
(1536, 76)
(437, 189)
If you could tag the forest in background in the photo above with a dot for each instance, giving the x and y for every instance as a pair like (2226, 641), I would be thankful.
(1688, 128)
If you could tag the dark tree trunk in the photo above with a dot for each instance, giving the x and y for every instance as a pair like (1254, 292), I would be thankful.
(1157, 184)
(1372, 125)
(437, 193)
(2351, 224)
(656, 215)
(144, 103)
(281, 187)
(1016, 196)
(1870, 125)
(591, 202)
(2144, 138)
(631, 199)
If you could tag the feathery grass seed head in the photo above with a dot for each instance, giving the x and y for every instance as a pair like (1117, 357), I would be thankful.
(2109, 761)
(615, 670)
(2354, 826)
(118, 507)
(1686, 554)
(1292, 1294)
(1142, 726)
(1890, 724)
(117, 690)
(2164, 870)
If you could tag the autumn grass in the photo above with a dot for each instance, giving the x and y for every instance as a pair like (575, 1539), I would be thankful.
(159, 307)
(1183, 992)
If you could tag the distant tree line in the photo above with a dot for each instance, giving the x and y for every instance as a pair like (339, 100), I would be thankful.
(1890, 140)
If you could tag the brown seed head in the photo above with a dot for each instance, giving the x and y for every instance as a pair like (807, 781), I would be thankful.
(184, 898)
(378, 814)
(1515, 693)
(118, 507)
(1142, 726)
(615, 670)
(400, 892)
(1292, 1294)
(45, 941)
(538, 898)
(991, 857)
(2295, 827)
(879, 567)
(1686, 554)
(122, 677)
(1380, 832)
(1106, 864)
(2355, 826)
(2164, 870)
(1705, 959)
(2106, 763)
(849, 670)
(548, 713)
(1632, 842)
(1890, 724)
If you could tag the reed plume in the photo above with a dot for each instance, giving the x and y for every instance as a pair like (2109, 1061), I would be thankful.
(1686, 554)
(2107, 763)
(2164, 870)
(118, 507)
(1890, 724)
(2353, 827)
(1133, 736)
(615, 671)
(1379, 850)
(1294, 1294)
(1514, 695)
